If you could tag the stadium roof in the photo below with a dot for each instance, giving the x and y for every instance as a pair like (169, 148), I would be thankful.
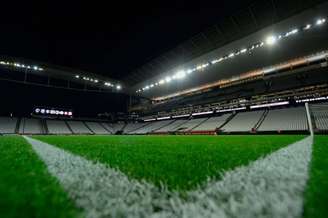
(255, 17)
(296, 46)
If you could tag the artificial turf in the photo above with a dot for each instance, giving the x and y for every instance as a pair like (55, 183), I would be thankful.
(316, 196)
(26, 187)
(179, 162)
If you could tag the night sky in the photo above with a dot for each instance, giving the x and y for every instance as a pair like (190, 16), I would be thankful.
(101, 37)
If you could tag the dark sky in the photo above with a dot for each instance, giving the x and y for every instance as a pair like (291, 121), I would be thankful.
(102, 36)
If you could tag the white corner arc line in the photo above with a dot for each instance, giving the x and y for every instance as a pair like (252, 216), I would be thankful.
(268, 187)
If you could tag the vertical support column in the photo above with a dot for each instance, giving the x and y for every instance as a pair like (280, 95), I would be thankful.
(309, 118)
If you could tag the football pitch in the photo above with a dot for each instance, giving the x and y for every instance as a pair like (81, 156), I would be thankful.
(32, 185)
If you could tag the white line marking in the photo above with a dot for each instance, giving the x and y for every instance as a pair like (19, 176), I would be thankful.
(269, 187)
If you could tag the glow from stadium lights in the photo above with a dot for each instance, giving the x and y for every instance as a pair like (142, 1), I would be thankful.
(271, 40)
(118, 87)
(77, 76)
(151, 85)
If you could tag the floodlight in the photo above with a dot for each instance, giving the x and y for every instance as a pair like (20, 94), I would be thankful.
(35, 67)
(271, 40)
(231, 55)
(243, 50)
(320, 21)
(118, 87)
(180, 75)
(308, 26)
(168, 79)
(161, 82)
(151, 85)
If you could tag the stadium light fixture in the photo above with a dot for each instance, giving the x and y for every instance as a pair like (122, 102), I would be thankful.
(77, 76)
(168, 79)
(308, 26)
(271, 40)
(118, 87)
(161, 82)
(181, 74)
(231, 55)
(243, 50)
(320, 21)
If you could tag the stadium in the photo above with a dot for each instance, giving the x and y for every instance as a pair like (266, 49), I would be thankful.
(229, 122)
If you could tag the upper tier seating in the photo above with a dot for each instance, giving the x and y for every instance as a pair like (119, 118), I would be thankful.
(8, 125)
(97, 128)
(287, 119)
(243, 122)
(190, 124)
(152, 126)
(320, 115)
(78, 127)
(58, 127)
(212, 123)
(30, 126)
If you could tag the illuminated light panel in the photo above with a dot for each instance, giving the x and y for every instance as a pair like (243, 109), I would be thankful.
(270, 104)
(202, 113)
(231, 109)
(163, 118)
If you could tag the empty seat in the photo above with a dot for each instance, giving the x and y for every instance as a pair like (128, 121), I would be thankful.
(212, 123)
(78, 127)
(320, 115)
(172, 126)
(152, 126)
(30, 126)
(8, 125)
(243, 122)
(190, 124)
(57, 127)
(287, 119)
(97, 128)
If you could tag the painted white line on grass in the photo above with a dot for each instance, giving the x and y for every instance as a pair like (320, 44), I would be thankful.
(97, 189)
(269, 187)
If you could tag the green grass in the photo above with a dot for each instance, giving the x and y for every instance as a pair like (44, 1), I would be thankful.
(180, 162)
(26, 187)
(316, 196)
